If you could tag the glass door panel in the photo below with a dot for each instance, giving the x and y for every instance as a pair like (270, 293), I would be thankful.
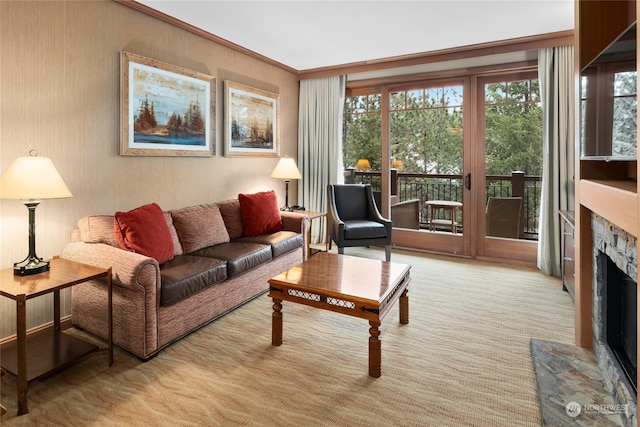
(426, 146)
(512, 118)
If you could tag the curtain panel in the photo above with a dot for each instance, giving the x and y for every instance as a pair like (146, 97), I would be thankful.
(557, 92)
(320, 118)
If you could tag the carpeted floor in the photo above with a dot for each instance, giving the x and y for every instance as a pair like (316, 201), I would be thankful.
(463, 360)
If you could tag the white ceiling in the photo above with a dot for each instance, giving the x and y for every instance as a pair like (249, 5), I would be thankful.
(308, 34)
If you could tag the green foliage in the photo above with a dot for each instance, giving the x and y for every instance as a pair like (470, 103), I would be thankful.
(513, 128)
(362, 131)
(426, 129)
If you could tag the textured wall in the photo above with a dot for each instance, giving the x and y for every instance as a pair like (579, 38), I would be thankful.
(60, 95)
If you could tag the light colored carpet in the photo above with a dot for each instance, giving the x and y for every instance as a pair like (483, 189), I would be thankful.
(463, 360)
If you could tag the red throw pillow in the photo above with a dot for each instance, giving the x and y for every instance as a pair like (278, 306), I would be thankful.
(260, 213)
(144, 230)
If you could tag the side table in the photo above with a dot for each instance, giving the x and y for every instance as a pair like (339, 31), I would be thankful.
(312, 215)
(48, 350)
(445, 205)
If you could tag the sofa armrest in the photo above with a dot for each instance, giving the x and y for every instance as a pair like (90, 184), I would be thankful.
(295, 221)
(129, 269)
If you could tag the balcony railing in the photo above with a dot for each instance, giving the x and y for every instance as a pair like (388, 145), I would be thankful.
(408, 186)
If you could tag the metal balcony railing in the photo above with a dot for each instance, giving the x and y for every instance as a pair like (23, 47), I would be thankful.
(408, 186)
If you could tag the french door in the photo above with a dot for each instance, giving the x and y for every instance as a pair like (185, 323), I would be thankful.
(460, 141)
(508, 148)
(426, 144)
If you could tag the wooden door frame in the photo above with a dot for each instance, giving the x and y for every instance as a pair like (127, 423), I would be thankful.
(485, 247)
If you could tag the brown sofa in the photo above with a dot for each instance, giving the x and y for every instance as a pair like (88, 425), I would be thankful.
(156, 304)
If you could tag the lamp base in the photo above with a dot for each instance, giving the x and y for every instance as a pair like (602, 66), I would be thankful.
(286, 209)
(30, 266)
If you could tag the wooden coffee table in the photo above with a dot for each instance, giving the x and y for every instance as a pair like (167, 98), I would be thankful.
(358, 287)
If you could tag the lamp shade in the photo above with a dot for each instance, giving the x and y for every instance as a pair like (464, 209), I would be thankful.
(33, 178)
(286, 169)
(363, 164)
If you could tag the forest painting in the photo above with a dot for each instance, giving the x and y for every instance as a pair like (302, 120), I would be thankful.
(251, 121)
(167, 110)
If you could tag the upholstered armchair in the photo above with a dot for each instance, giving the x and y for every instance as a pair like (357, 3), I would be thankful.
(354, 219)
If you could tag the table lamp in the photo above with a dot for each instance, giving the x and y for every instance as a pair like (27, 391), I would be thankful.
(363, 165)
(286, 169)
(30, 179)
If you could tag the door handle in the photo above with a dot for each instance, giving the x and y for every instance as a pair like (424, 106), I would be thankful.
(467, 181)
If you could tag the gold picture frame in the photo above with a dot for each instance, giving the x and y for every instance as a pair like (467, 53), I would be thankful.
(166, 110)
(252, 121)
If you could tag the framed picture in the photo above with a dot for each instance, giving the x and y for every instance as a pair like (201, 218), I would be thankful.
(166, 110)
(252, 121)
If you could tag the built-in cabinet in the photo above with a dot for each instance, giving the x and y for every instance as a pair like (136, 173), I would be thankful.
(603, 185)
(568, 253)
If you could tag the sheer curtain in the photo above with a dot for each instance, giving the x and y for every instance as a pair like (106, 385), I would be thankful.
(320, 144)
(556, 76)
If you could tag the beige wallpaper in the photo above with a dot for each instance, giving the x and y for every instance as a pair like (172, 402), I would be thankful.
(60, 95)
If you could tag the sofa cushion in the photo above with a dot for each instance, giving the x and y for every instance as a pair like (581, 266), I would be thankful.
(177, 246)
(97, 229)
(232, 216)
(144, 230)
(199, 226)
(185, 275)
(280, 242)
(240, 257)
(260, 213)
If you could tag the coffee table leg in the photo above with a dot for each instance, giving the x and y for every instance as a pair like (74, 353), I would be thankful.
(404, 307)
(276, 322)
(375, 346)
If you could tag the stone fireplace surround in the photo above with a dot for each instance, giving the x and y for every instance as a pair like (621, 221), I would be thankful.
(620, 247)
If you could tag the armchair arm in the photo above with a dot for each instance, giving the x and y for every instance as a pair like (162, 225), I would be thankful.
(129, 269)
(335, 225)
(374, 213)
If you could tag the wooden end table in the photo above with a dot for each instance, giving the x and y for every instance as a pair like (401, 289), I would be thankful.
(47, 350)
(313, 248)
(444, 205)
(354, 286)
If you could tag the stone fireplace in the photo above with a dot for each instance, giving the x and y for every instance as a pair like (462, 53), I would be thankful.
(614, 311)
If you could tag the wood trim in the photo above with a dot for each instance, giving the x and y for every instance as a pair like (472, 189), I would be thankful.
(188, 27)
(560, 38)
(363, 87)
(612, 200)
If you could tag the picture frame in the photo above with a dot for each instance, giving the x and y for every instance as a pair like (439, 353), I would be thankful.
(252, 121)
(166, 110)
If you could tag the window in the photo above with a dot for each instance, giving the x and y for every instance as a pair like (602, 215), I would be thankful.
(362, 130)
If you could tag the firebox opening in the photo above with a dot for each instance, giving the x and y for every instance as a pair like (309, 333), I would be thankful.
(621, 320)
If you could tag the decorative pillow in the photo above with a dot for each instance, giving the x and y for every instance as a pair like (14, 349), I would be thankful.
(144, 230)
(260, 213)
(97, 229)
(199, 227)
(232, 216)
(177, 246)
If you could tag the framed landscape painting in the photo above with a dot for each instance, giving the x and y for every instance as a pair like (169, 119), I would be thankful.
(252, 121)
(166, 110)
